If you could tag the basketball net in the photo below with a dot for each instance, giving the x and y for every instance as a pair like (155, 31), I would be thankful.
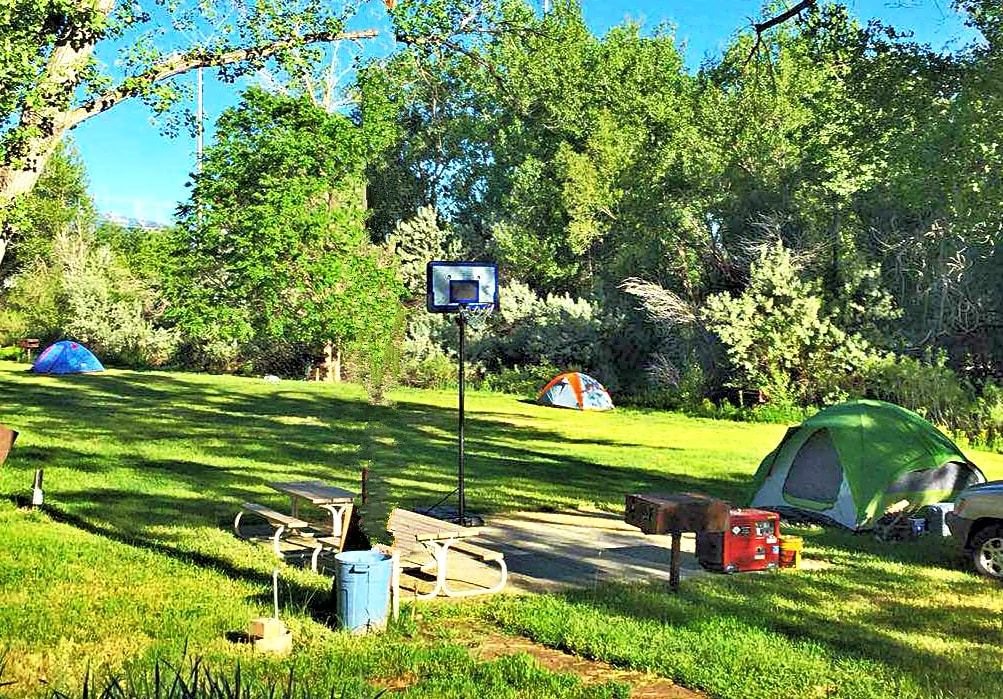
(476, 316)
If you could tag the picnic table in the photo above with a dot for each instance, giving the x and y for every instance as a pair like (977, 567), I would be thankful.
(293, 533)
(337, 501)
(425, 542)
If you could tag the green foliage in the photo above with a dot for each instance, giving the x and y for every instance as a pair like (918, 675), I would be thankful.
(927, 386)
(87, 293)
(272, 247)
(375, 356)
(557, 330)
(59, 203)
(415, 243)
(429, 344)
(526, 381)
(779, 338)
(194, 679)
(435, 370)
(984, 424)
(672, 389)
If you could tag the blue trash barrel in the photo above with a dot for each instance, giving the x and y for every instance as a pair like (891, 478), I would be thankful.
(362, 589)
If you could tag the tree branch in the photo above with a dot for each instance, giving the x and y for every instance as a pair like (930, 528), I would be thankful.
(774, 21)
(782, 17)
(135, 85)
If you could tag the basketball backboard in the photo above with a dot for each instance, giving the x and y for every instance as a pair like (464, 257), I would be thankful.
(455, 286)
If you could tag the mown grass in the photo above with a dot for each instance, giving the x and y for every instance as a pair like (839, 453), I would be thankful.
(132, 558)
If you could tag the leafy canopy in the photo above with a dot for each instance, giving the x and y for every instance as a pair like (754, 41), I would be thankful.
(272, 245)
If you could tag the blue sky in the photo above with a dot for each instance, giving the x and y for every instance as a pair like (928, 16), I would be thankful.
(136, 172)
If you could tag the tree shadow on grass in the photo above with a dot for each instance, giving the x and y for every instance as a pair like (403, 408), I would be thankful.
(137, 456)
(238, 442)
(320, 608)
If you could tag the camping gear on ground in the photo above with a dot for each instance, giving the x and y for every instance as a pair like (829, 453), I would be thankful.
(575, 390)
(936, 518)
(750, 542)
(674, 514)
(362, 589)
(7, 439)
(66, 357)
(790, 551)
(851, 463)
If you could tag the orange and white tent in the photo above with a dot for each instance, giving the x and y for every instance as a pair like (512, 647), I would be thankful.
(575, 390)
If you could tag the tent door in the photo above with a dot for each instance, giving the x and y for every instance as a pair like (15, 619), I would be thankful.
(815, 475)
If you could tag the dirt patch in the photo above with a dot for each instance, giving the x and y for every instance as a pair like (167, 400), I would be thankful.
(487, 644)
(644, 685)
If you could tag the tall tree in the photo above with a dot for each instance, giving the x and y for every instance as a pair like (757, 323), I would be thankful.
(271, 248)
(58, 203)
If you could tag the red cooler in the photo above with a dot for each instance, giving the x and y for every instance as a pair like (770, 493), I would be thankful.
(751, 542)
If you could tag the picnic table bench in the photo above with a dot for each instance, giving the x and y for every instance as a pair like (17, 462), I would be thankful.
(294, 536)
(423, 542)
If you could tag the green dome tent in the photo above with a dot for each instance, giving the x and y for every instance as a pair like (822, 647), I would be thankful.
(849, 462)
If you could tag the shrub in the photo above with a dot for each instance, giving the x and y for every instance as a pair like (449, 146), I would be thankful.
(375, 356)
(779, 338)
(530, 331)
(927, 386)
(433, 371)
(521, 381)
(87, 293)
(983, 426)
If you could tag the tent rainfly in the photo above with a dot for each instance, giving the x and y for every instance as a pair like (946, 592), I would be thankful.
(848, 463)
(66, 357)
(577, 391)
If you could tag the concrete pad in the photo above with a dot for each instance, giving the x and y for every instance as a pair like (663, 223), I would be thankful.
(552, 550)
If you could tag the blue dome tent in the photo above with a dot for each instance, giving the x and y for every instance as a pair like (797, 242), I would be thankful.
(66, 357)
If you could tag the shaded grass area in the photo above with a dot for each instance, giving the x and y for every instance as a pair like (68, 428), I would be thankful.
(133, 559)
(146, 451)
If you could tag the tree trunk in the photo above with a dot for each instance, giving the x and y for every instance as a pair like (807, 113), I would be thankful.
(332, 363)
(47, 125)
(47, 122)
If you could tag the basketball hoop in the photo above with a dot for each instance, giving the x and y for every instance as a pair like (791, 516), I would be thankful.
(476, 316)
(469, 289)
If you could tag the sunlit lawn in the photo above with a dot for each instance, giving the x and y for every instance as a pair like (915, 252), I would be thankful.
(143, 473)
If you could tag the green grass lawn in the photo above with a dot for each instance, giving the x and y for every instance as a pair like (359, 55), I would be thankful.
(133, 558)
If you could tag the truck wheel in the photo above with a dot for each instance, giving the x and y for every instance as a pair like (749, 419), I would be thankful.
(987, 551)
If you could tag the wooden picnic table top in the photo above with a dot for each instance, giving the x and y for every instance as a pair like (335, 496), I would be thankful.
(426, 528)
(315, 492)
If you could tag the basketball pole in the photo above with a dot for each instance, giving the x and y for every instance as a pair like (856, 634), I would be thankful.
(462, 322)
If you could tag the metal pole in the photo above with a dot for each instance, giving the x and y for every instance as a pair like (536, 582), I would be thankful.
(36, 491)
(462, 321)
(198, 121)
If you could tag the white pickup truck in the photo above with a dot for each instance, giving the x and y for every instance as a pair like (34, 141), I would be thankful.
(977, 524)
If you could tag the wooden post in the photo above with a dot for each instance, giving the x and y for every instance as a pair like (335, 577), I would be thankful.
(7, 439)
(328, 361)
(674, 561)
